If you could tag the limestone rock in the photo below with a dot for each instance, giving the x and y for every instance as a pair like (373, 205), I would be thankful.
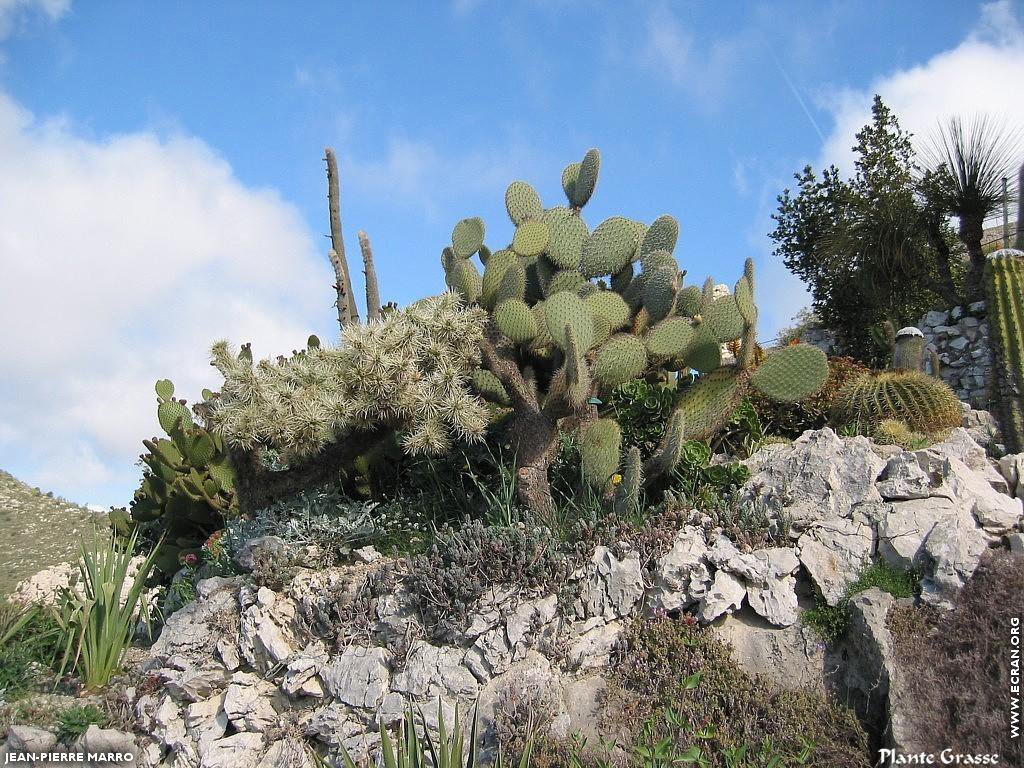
(681, 577)
(234, 751)
(725, 596)
(610, 587)
(431, 671)
(791, 657)
(903, 478)
(819, 475)
(107, 740)
(872, 677)
(1011, 467)
(359, 676)
(250, 702)
(26, 738)
(834, 551)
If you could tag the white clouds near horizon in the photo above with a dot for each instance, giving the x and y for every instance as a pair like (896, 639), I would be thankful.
(123, 259)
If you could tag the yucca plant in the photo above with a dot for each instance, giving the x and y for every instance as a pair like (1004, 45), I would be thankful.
(97, 619)
(13, 617)
(415, 746)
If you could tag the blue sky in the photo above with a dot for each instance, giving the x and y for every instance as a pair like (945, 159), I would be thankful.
(164, 163)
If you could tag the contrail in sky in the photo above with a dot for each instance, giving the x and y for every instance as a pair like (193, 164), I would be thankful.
(799, 98)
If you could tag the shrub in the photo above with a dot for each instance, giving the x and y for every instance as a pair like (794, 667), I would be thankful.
(674, 663)
(461, 563)
(971, 646)
(326, 519)
(410, 369)
(703, 484)
(97, 625)
(29, 648)
(793, 419)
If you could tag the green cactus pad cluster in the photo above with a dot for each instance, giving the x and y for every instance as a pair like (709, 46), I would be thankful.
(602, 443)
(924, 403)
(620, 359)
(566, 309)
(522, 202)
(1004, 290)
(791, 373)
(515, 319)
(467, 237)
(609, 248)
(188, 485)
(581, 334)
(489, 386)
(531, 238)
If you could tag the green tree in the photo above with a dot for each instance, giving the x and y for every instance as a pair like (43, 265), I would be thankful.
(871, 247)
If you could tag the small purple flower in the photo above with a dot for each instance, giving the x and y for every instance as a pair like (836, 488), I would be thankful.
(191, 559)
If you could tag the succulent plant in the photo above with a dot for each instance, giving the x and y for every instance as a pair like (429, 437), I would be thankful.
(906, 347)
(575, 312)
(923, 403)
(1004, 287)
(188, 486)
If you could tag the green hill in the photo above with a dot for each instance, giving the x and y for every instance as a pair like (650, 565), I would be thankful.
(37, 530)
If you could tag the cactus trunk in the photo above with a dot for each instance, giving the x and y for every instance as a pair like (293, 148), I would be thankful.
(1004, 285)
(370, 273)
(347, 312)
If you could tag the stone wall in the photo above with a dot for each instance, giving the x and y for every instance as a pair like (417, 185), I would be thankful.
(960, 337)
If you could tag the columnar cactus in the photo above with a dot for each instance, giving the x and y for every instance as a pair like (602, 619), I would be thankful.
(1004, 287)
(575, 312)
(906, 347)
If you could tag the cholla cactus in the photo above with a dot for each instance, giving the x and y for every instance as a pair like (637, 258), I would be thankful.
(558, 336)
(409, 370)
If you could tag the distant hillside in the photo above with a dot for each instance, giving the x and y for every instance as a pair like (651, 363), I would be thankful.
(37, 530)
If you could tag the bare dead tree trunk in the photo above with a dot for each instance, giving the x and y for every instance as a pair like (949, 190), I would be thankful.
(346, 304)
(372, 292)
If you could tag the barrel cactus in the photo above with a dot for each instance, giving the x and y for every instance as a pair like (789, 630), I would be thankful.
(188, 485)
(923, 403)
(1004, 287)
(575, 312)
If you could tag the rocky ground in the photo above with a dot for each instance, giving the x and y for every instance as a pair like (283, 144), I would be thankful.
(255, 666)
(37, 530)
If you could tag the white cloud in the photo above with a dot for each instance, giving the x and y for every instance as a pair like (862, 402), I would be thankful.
(982, 74)
(702, 71)
(11, 11)
(122, 260)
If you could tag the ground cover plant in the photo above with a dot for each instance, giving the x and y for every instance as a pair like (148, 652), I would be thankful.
(968, 645)
(717, 711)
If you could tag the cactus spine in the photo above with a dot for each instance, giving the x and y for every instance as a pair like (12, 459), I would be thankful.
(1004, 287)
(555, 312)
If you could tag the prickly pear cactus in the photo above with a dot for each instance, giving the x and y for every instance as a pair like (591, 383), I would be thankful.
(1004, 288)
(188, 485)
(576, 311)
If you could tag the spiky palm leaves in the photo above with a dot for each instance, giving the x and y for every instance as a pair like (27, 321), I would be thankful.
(970, 160)
(410, 370)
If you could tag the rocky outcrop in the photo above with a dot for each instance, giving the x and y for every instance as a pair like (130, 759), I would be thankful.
(241, 659)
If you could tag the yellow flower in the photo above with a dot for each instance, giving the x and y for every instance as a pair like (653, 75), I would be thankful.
(616, 479)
